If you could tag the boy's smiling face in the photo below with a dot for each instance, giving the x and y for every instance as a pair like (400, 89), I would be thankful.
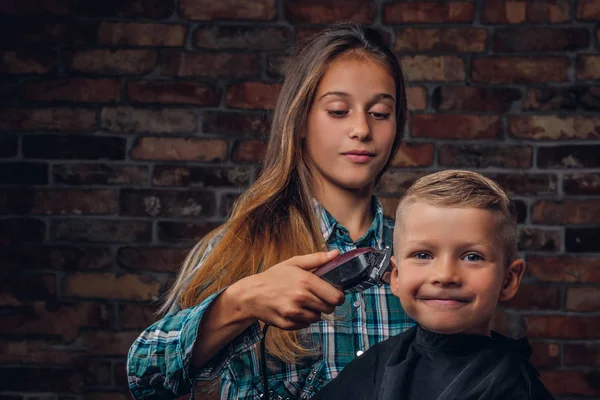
(450, 267)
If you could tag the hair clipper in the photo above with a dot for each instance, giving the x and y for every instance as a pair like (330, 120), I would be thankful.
(357, 270)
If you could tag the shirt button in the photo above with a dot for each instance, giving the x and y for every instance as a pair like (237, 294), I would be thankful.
(358, 353)
(356, 304)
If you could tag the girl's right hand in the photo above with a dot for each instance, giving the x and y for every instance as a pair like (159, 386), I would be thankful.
(288, 295)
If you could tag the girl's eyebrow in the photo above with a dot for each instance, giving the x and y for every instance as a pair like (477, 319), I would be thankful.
(377, 97)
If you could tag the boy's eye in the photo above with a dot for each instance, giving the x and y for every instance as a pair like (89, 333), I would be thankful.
(380, 116)
(337, 113)
(472, 257)
(422, 256)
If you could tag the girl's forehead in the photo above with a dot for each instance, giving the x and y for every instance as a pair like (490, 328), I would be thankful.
(356, 72)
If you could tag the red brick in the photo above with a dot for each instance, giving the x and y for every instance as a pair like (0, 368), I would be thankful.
(534, 40)
(97, 395)
(56, 257)
(47, 119)
(157, 9)
(539, 239)
(468, 40)
(483, 156)
(516, 12)
(397, 181)
(568, 212)
(42, 380)
(549, 127)
(181, 176)
(571, 382)
(100, 174)
(74, 89)
(433, 68)
(95, 372)
(61, 321)
(428, 12)
(24, 173)
(112, 61)
(253, 95)
(548, 99)
(581, 183)
(581, 354)
(179, 149)
(508, 324)
(128, 119)
(74, 202)
(110, 286)
(165, 92)
(583, 299)
(416, 98)
(26, 61)
(249, 151)
(389, 204)
(523, 184)
(27, 287)
(210, 65)
(328, 11)
(239, 37)
(36, 352)
(184, 232)
(467, 98)
(588, 10)
(109, 343)
(15, 231)
(141, 34)
(137, 316)
(276, 65)
(564, 268)
(161, 259)
(254, 124)
(228, 9)
(535, 297)
(562, 326)
(413, 155)
(166, 203)
(588, 67)
(37, 7)
(545, 354)
(445, 126)
(96, 230)
(512, 69)
(74, 147)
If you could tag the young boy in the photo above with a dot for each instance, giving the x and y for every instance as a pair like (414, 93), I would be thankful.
(455, 245)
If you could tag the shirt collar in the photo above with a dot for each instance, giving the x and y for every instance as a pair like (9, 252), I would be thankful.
(328, 224)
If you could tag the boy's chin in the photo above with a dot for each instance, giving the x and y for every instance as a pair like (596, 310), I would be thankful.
(457, 329)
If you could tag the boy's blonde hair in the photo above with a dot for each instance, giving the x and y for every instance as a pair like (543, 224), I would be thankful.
(458, 188)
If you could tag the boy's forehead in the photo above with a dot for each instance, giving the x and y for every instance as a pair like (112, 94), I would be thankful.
(422, 219)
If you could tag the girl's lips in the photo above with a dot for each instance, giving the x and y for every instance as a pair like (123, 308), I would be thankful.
(359, 157)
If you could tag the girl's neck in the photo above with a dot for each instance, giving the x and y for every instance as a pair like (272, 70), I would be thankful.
(351, 208)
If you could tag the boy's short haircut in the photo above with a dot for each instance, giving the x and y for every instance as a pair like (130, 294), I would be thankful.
(466, 189)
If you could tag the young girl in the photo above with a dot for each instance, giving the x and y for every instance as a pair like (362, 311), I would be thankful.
(337, 123)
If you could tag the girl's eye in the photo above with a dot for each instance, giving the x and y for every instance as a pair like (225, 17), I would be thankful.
(422, 256)
(380, 116)
(337, 113)
(472, 257)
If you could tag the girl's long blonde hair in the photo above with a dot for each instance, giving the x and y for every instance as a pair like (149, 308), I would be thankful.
(274, 219)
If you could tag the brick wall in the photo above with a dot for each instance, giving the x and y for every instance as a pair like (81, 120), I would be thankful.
(127, 128)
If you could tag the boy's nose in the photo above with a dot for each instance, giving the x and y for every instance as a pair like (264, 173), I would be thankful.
(445, 274)
(360, 126)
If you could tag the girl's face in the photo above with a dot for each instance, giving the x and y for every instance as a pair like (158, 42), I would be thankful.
(351, 124)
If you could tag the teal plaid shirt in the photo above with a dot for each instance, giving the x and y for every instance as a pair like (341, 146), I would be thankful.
(159, 361)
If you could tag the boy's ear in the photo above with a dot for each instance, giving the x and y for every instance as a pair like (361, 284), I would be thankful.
(394, 277)
(512, 280)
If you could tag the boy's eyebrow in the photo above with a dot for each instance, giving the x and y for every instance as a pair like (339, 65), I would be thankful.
(377, 97)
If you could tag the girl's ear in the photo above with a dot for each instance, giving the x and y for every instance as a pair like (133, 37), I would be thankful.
(512, 280)
(394, 278)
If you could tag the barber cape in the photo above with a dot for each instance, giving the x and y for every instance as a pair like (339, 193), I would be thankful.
(424, 365)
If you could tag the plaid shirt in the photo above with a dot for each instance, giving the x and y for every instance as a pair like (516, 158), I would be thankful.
(159, 361)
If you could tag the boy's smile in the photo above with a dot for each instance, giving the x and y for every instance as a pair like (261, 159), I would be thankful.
(451, 270)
